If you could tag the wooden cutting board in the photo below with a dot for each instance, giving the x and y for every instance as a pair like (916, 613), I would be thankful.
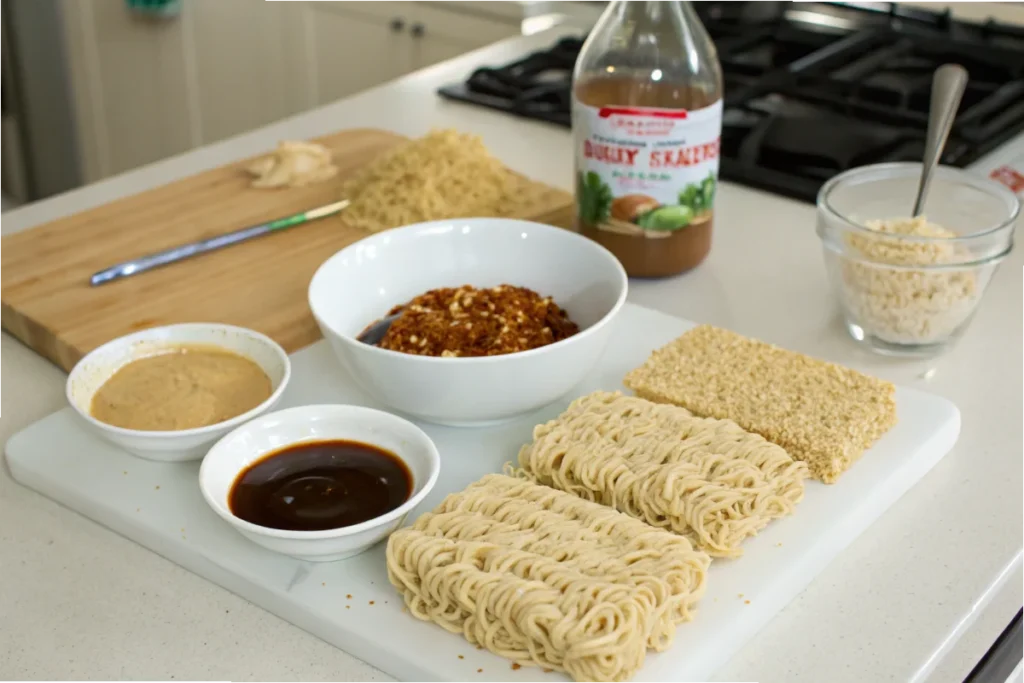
(49, 304)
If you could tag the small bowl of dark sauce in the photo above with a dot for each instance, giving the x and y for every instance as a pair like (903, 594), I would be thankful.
(320, 483)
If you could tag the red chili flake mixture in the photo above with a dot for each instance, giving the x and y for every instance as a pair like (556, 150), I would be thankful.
(466, 321)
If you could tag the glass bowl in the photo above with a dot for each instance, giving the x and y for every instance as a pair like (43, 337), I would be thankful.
(910, 286)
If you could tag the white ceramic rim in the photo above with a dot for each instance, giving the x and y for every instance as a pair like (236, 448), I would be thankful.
(980, 183)
(583, 241)
(195, 431)
(225, 513)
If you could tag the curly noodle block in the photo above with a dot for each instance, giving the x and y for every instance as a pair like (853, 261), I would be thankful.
(821, 413)
(704, 478)
(542, 577)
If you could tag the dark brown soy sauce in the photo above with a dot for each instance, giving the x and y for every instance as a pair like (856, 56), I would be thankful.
(320, 485)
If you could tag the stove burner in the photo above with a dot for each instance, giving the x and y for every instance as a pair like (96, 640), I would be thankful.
(813, 89)
(537, 87)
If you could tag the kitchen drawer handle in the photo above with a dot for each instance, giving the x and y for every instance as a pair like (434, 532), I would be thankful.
(418, 30)
(397, 24)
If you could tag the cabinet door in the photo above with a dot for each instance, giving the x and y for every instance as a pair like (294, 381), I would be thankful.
(135, 80)
(352, 51)
(244, 65)
(147, 88)
(442, 32)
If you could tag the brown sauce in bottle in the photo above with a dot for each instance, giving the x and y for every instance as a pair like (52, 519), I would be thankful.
(656, 254)
(320, 485)
(647, 126)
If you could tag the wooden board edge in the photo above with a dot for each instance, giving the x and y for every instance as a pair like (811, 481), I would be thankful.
(38, 338)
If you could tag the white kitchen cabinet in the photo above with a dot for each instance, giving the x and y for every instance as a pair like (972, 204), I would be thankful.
(246, 64)
(147, 88)
(352, 49)
(135, 83)
(362, 44)
(439, 32)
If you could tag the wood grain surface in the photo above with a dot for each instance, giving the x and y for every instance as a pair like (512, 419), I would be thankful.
(49, 304)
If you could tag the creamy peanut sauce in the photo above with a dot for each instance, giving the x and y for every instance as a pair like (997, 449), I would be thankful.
(183, 388)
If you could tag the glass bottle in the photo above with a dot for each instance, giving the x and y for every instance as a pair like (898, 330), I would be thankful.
(647, 123)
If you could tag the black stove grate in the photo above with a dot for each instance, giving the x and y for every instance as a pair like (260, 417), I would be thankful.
(537, 87)
(813, 89)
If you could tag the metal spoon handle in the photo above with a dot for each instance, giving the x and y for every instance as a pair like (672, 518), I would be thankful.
(948, 86)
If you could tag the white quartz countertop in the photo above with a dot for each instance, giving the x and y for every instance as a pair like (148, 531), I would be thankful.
(921, 595)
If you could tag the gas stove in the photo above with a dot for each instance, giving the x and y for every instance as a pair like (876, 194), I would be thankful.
(812, 89)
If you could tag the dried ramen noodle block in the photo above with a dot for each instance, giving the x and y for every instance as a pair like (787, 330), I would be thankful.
(821, 413)
(542, 577)
(707, 479)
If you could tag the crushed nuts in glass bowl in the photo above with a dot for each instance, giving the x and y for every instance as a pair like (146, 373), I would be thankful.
(910, 285)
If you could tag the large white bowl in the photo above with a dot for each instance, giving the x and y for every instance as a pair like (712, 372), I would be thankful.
(97, 367)
(361, 283)
(250, 442)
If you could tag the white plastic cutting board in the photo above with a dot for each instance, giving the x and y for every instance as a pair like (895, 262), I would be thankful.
(159, 506)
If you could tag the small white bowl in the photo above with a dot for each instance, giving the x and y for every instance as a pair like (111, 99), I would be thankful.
(98, 366)
(361, 283)
(275, 431)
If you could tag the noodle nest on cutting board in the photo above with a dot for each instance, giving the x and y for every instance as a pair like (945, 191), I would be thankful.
(704, 478)
(542, 577)
(445, 174)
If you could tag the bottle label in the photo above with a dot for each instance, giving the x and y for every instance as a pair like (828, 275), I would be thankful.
(646, 171)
